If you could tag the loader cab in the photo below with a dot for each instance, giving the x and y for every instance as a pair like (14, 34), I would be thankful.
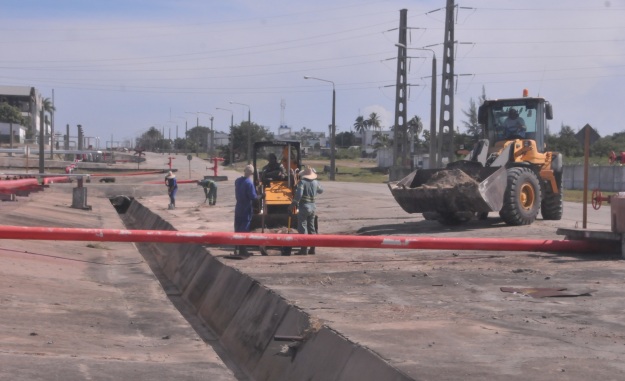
(532, 113)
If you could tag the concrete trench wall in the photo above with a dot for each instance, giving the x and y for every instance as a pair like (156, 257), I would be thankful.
(246, 316)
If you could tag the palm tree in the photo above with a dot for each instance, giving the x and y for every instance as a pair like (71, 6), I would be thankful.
(416, 127)
(373, 121)
(48, 107)
(360, 125)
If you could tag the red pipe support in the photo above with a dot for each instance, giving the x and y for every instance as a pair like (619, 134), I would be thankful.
(320, 240)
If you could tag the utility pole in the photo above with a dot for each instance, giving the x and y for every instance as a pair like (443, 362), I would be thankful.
(399, 131)
(447, 88)
(433, 161)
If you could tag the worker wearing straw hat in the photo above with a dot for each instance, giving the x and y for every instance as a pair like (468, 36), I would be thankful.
(307, 189)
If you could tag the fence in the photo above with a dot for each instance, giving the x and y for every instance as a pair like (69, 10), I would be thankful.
(607, 178)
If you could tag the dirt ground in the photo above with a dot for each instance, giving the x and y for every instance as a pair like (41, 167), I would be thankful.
(434, 314)
(440, 314)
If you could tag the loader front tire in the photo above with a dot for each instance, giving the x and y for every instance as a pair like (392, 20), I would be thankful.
(522, 198)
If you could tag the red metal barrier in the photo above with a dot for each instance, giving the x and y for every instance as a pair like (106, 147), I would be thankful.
(125, 174)
(177, 182)
(257, 239)
(56, 179)
(20, 185)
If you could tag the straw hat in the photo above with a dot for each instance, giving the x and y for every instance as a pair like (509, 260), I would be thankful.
(309, 173)
(249, 170)
(170, 175)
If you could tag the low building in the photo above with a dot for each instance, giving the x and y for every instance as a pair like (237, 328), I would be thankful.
(30, 103)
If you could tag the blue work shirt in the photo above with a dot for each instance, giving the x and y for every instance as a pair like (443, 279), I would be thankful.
(245, 194)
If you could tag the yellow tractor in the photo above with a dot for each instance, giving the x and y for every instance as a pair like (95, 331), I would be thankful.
(276, 168)
(508, 171)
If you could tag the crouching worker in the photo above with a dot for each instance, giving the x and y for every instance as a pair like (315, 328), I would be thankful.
(245, 194)
(307, 189)
(210, 190)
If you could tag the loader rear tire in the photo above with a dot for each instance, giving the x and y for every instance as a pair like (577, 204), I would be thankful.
(552, 207)
(521, 202)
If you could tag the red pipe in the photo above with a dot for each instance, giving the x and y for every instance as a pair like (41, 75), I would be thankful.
(11, 186)
(321, 240)
(125, 174)
(56, 179)
(177, 182)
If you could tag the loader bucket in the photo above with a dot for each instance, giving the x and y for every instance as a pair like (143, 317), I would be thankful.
(461, 187)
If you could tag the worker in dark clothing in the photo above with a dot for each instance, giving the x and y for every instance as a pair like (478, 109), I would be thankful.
(273, 170)
(307, 189)
(210, 190)
(245, 194)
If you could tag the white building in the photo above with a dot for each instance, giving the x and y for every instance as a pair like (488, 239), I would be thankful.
(30, 103)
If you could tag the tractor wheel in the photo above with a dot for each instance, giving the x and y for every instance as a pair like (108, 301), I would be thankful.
(552, 206)
(521, 202)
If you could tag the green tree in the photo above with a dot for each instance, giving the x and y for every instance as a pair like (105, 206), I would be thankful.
(151, 140)
(345, 139)
(382, 140)
(473, 127)
(239, 136)
(374, 121)
(11, 115)
(415, 127)
(607, 144)
(197, 139)
(565, 142)
(305, 135)
(360, 125)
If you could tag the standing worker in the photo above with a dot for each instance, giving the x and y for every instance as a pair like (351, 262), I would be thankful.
(304, 199)
(172, 188)
(245, 194)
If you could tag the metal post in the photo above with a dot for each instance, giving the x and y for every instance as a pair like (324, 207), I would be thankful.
(332, 128)
(399, 131)
(433, 159)
(333, 137)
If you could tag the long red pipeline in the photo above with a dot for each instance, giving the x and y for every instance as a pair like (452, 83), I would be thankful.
(321, 240)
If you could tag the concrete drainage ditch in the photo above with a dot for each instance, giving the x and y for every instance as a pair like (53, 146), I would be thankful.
(265, 337)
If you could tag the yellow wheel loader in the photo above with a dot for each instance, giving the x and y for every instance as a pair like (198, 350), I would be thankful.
(508, 171)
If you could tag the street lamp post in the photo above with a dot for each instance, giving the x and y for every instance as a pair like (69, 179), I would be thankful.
(211, 137)
(333, 129)
(249, 130)
(231, 133)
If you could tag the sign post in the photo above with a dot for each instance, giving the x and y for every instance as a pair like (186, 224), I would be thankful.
(189, 157)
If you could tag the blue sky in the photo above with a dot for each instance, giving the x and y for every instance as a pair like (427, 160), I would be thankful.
(120, 67)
